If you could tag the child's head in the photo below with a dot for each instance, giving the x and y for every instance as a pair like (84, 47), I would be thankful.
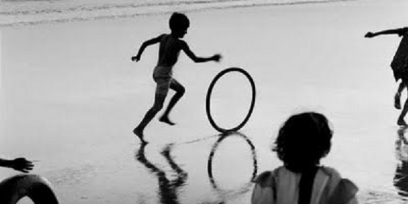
(179, 24)
(303, 140)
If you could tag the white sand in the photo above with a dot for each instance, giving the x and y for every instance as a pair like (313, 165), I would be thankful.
(71, 97)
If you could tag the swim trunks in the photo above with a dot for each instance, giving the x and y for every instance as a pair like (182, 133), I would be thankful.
(162, 76)
(162, 72)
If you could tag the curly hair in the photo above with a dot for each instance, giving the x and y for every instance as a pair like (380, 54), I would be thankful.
(178, 21)
(303, 140)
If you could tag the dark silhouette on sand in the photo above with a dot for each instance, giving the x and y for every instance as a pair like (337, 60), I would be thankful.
(170, 47)
(399, 67)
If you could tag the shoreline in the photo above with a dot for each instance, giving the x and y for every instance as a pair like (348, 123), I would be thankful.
(7, 19)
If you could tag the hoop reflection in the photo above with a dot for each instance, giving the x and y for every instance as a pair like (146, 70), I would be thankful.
(245, 187)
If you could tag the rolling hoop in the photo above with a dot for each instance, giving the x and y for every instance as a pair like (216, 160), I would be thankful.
(208, 98)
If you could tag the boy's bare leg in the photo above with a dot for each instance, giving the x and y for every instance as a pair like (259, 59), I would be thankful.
(397, 97)
(404, 111)
(139, 132)
(160, 96)
(146, 120)
(180, 90)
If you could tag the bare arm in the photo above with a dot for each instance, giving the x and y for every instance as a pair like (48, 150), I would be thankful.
(18, 164)
(399, 31)
(143, 47)
(196, 59)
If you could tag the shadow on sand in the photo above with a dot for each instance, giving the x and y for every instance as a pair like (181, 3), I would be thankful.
(168, 189)
(401, 172)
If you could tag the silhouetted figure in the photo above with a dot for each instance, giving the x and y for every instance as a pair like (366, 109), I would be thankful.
(399, 66)
(168, 188)
(302, 141)
(401, 172)
(169, 50)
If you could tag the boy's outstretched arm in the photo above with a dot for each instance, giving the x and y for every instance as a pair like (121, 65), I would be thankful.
(143, 47)
(399, 31)
(196, 59)
(18, 164)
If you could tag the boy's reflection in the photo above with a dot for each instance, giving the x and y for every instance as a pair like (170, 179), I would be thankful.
(168, 189)
(401, 173)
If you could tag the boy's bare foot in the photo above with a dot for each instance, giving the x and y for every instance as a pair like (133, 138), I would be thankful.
(402, 122)
(397, 103)
(166, 119)
(139, 133)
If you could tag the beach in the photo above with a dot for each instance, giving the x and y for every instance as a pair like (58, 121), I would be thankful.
(71, 96)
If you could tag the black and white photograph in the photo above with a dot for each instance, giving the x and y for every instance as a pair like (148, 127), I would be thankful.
(203, 101)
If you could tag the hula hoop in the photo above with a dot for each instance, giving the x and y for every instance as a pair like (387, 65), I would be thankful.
(246, 187)
(208, 98)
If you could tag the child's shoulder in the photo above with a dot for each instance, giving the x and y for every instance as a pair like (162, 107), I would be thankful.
(163, 35)
(337, 179)
(344, 192)
(181, 41)
(404, 30)
(330, 171)
(267, 178)
(169, 37)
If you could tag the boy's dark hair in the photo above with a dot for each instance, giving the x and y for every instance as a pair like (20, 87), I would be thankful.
(303, 140)
(178, 21)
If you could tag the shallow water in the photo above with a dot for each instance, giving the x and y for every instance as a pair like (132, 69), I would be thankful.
(31, 12)
(71, 97)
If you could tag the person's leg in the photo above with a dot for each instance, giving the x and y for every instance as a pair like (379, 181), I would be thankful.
(404, 111)
(180, 90)
(162, 89)
(397, 97)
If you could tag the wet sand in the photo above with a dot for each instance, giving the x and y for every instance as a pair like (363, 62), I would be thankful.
(71, 98)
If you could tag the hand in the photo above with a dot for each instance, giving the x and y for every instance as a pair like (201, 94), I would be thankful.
(135, 58)
(369, 35)
(21, 164)
(217, 57)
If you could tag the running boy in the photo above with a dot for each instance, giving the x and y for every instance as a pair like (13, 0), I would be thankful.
(302, 141)
(399, 66)
(169, 50)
